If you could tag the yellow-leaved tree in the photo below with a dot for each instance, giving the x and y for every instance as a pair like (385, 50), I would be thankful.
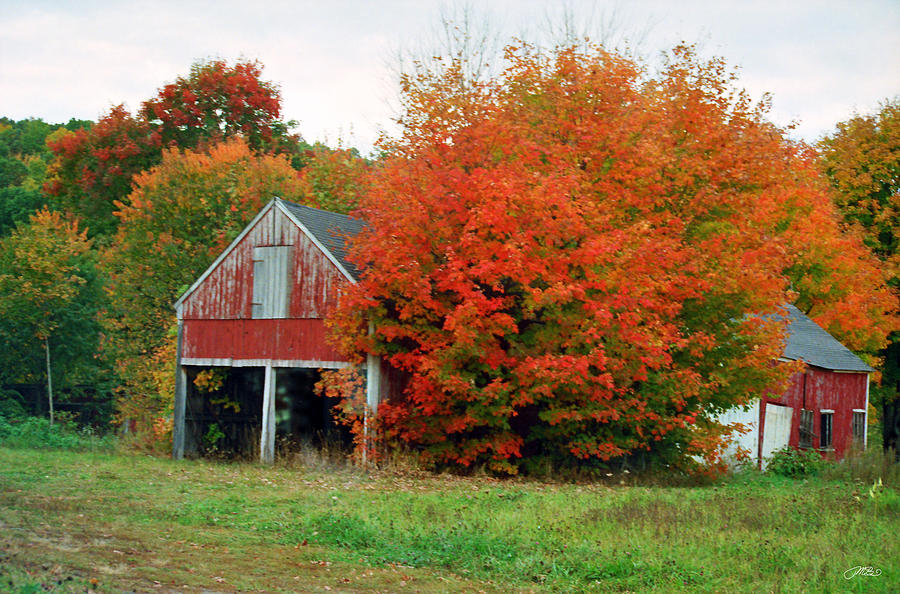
(180, 216)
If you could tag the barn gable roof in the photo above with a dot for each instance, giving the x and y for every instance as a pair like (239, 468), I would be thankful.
(328, 230)
(806, 340)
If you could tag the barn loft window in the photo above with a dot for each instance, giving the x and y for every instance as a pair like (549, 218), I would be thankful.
(825, 440)
(859, 427)
(806, 428)
(271, 281)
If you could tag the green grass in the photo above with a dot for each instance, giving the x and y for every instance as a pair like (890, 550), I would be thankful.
(131, 522)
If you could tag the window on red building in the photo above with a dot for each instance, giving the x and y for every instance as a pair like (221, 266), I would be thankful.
(859, 428)
(806, 428)
(825, 433)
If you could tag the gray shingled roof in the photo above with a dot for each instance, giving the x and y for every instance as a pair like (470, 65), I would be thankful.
(809, 342)
(330, 229)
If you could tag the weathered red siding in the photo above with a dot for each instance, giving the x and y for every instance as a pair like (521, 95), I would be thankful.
(227, 292)
(817, 389)
(217, 316)
(285, 339)
(317, 281)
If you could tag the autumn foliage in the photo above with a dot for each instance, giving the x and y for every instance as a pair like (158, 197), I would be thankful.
(334, 179)
(861, 159)
(218, 101)
(180, 216)
(575, 261)
(94, 167)
(570, 261)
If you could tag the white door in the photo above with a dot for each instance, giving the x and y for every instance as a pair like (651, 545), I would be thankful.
(747, 442)
(777, 429)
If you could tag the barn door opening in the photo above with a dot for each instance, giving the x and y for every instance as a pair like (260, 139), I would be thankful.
(223, 411)
(776, 430)
(302, 416)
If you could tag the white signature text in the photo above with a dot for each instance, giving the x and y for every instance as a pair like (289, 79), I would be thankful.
(861, 570)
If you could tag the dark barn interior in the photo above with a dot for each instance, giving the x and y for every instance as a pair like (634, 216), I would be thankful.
(301, 415)
(227, 422)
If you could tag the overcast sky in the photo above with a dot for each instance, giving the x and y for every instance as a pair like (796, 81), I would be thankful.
(821, 60)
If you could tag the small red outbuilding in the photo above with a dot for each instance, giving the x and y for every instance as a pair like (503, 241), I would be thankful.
(260, 308)
(825, 408)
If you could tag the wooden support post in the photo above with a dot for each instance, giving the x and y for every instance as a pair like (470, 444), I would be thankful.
(180, 401)
(267, 435)
(373, 382)
(373, 396)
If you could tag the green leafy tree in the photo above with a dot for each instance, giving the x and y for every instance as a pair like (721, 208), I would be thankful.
(334, 179)
(50, 294)
(24, 158)
(12, 172)
(29, 136)
(862, 161)
(16, 205)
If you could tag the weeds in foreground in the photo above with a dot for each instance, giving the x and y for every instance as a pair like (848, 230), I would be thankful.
(865, 467)
(792, 462)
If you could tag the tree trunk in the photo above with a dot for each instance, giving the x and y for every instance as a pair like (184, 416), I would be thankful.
(49, 380)
(890, 425)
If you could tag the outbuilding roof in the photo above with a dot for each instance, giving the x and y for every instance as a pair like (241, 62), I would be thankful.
(808, 341)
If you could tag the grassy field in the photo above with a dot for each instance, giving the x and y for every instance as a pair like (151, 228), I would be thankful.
(111, 523)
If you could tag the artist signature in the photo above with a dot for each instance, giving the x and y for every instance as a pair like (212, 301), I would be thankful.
(861, 570)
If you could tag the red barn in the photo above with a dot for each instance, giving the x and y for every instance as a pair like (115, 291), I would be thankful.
(826, 406)
(258, 311)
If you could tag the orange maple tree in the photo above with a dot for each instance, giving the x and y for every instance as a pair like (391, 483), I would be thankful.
(570, 261)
